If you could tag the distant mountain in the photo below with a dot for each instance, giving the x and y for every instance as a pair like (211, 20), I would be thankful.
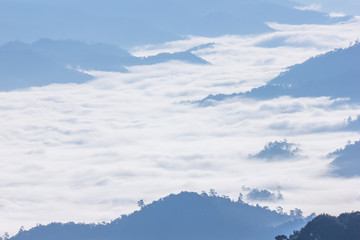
(278, 150)
(335, 74)
(346, 161)
(344, 227)
(183, 216)
(353, 124)
(185, 56)
(47, 61)
(129, 23)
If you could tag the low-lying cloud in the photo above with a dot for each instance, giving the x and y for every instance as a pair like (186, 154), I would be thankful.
(311, 7)
(90, 152)
(260, 195)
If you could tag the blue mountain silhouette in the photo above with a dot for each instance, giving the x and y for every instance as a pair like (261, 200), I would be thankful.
(324, 226)
(47, 61)
(278, 150)
(183, 216)
(353, 124)
(347, 161)
(132, 22)
(334, 74)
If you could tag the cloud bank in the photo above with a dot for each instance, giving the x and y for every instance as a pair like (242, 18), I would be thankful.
(89, 152)
(257, 195)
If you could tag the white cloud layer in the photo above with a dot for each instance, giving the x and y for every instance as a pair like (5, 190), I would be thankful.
(337, 14)
(89, 152)
(311, 7)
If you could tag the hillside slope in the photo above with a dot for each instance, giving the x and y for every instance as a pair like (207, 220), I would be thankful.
(335, 74)
(48, 61)
(346, 226)
(183, 216)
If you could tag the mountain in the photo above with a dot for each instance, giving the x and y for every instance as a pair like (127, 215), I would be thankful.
(22, 66)
(346, 161)
(129, 23)
(186, 215)
(278, 150)
(335, 74)
(346, 226)
(185, 56)
(48, 61)
(353, 124)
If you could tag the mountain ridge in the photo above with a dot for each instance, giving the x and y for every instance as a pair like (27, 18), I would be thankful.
(186, 215)
(335, 74)
(130, 23)
(48, 61)
(324, 226)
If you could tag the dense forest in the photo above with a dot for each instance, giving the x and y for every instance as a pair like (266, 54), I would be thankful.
(346, 226)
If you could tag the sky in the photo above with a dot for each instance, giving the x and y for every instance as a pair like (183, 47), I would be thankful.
(334, 6)
(88, 152)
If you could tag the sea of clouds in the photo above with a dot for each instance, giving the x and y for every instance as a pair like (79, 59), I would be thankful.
(89, 152)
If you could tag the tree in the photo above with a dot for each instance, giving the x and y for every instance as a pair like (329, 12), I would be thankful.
(296, 212)
(279, 210)
(324, 226)
(5, 236)
(212, 193)
(281, 237)
(295, 235)
(141, 204)
(240, 198)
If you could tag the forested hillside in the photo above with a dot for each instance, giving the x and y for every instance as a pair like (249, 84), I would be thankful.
(335, 74)
(344, 227)
(186, 215)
